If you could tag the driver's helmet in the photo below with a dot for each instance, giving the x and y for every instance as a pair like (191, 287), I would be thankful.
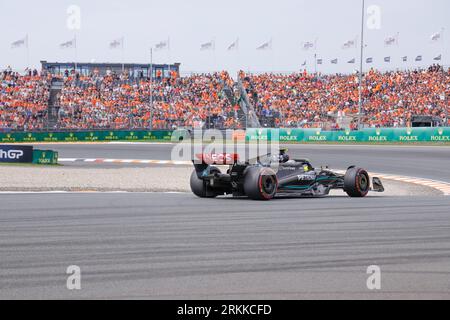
(283, 157)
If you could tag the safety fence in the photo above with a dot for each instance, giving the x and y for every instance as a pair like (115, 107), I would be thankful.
(375, 135)
(92, 136)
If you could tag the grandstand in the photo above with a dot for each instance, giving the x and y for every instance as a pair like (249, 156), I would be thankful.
(99, 96)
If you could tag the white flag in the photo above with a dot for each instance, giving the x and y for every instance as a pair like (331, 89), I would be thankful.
(162, 45)
(20, 42)
(350, 44)
(234, 45)
(117, 43)
(308, 45)
(69, 44)
(390, 41)
(265, 46)
(208, 45)
(436, 37)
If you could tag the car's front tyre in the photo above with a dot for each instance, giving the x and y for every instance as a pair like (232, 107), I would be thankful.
(356, 182)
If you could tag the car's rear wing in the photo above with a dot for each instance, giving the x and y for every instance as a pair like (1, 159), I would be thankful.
(203, 160)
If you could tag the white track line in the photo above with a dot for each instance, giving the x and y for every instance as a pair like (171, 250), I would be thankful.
(128, 161)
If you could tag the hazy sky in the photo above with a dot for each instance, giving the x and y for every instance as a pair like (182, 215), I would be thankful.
(189, 23)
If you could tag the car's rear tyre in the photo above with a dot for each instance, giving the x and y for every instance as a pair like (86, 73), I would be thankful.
(260, 183)
(356, 182)
(201, 187)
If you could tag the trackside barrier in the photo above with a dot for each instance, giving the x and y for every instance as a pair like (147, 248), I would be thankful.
(85, 136)
(45, 156)
(439, 134)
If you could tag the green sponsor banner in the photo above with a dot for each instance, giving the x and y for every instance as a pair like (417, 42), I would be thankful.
(8, 137)
(85, 136)
(439, 135)
(374, 135)
(45, 156)
(290, 135)
(347, 136)
(317, 135)
(265, 134)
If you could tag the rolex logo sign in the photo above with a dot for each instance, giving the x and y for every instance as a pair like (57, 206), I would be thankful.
(377, 137)
(409, 136)
(346, 137)
(441, 137)
(287, 136)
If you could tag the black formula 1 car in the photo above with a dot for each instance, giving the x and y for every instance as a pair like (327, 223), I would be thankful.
(267, 176)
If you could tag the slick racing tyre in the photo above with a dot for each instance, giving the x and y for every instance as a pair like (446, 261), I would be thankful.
(260, 183)
(356, 182)
(201, 187)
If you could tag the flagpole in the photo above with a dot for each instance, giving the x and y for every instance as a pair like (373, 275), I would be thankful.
(315, 64)
(28, 53)
(151, 89)
(123, 62)
(76, 52)
(360, 102)
(168, 49)
(315, 56)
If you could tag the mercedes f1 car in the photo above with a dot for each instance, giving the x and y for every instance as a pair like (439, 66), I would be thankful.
(268, 176)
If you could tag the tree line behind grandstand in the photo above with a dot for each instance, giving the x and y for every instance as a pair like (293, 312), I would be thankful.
(117, 101)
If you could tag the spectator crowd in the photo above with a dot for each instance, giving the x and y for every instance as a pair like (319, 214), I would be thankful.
(23, 100)
(390, 99)
(115, 101)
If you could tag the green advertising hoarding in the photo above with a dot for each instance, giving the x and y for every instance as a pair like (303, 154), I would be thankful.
(375, 135)
(45, 156)
(372, 135)
(85, 136)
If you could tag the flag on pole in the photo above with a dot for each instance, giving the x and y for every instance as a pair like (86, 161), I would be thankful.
(436, 37)
(304, 63)
(69, 44)
(419, 58)
(308, 45)
(19, 43)
(319, 61)
(234, 45)
(351, 61)
(207, 45)
(387, 59)
(392, 40)
(405, 58)
(265, 46)
(162, 45)
(350, 44)
(438, 58)
(117, 43)
(369, 60)
(334, 61)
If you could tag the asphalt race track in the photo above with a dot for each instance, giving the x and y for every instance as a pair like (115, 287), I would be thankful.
(167, 245)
